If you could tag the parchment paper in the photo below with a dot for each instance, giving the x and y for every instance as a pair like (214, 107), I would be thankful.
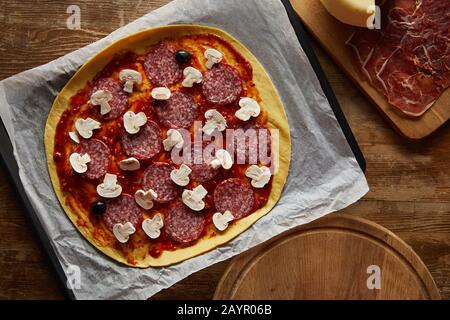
(324, 175)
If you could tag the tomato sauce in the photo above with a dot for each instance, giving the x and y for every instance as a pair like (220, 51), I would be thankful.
(82, 192)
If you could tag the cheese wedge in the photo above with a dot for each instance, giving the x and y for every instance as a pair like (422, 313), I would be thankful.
(360, 13)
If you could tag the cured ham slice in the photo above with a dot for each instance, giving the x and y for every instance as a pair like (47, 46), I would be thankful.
(408, 60)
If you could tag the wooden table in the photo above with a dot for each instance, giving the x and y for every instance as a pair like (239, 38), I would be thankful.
(410, 182)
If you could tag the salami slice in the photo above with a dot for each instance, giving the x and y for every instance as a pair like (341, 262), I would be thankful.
(122, 209)
(119, 101)
(235, 195)
(182, 224)
(180, 111)
(157, 177)
(199, 163)
(161, 66)
(222, 85)
(145, 144)
(100, 156)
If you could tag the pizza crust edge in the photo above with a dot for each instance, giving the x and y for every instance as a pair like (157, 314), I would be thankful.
(277, 119)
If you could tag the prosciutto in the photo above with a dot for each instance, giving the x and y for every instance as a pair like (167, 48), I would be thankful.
(408, 59)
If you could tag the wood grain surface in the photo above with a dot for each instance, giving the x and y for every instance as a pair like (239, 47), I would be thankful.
(332, 35)
(329, 258)
(410, 182)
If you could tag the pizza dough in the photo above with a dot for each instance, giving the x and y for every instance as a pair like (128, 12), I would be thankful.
(186, 233)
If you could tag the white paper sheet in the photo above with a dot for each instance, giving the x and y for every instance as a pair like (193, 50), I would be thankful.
(324, 175)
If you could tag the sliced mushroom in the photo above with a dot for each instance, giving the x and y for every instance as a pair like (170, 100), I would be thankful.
(74, 137)
(130, 164)
(145, 198)
(152, 227)
(194, 198)
(213, 57)
(109, 188)
(181, 176)
(79, 162)
(222, 159)
(214, 121)
(122, 232)
(174, 139)
(161, 93)
(191, 76)
(249, 108)
(86, 127)
(221, 221)
(130, 77)
(260, 175)
(101, 98)
(133, 122)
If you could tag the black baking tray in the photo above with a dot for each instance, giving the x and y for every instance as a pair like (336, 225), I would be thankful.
(305, 42)
(9, 164)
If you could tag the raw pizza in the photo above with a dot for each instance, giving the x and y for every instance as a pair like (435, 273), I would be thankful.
(167, 144)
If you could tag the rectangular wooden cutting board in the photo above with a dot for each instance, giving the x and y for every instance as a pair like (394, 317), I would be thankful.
(332, 34)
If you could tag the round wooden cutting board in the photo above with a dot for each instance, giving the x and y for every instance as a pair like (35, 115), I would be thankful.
(336, 257)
